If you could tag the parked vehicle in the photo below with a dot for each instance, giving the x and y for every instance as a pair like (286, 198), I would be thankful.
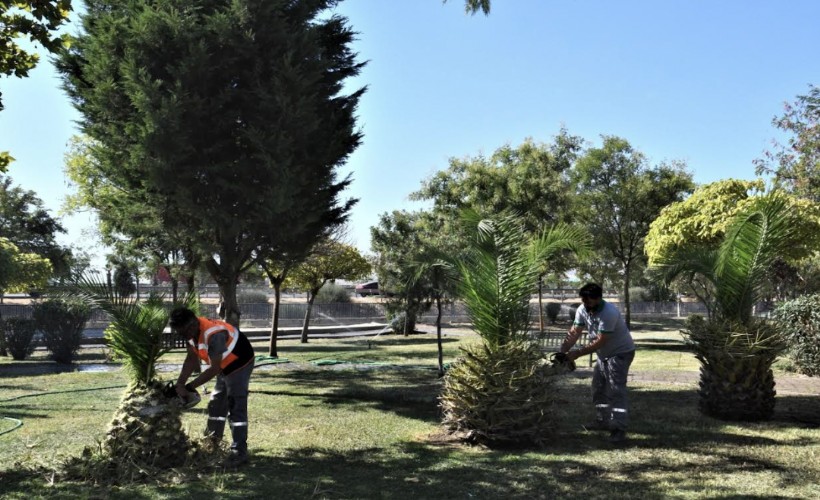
(369, 288)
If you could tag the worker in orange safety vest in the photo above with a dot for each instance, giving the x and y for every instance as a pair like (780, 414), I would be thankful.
(230, 359)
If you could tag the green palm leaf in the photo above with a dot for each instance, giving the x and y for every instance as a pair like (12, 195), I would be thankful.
(756, 238)
(500, 270)
(135, 332)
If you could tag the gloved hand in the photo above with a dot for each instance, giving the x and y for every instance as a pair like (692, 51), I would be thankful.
(561, 358)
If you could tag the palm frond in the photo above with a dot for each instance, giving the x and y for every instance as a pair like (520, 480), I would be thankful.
(755, 239)
(136, 329)
(559, 238)
(686, 261)
(497, 277)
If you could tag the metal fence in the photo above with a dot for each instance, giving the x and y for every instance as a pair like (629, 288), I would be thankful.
(293, 314)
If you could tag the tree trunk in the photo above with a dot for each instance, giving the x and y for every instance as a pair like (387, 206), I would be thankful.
(311, 297)
(174, 289)
(540, 305)
(3, 351)
(627, 315)
(438, 338)
(227, 288)
(274, 327)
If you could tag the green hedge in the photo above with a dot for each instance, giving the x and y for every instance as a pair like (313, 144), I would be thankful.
(799, 321)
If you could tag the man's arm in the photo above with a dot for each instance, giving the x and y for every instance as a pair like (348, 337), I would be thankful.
(599, 342)
(574, 333)
(188, 367)
(211, 372)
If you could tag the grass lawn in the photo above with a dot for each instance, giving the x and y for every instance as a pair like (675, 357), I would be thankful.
(371, 431)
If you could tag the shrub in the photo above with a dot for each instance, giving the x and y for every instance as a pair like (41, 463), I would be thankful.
(251, 297)
(799, 321)
(62, 322)
(572, 309)
(17, 337)
(332, 293)
(553, 310)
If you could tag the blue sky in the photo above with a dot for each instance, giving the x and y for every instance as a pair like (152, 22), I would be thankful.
(695, 81)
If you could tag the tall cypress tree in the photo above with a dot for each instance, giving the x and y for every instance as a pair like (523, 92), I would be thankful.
(225, 117)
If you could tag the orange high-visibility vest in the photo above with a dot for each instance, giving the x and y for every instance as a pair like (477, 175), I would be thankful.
(208, 327)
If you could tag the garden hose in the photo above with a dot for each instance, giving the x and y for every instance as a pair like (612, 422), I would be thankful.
(19, 423)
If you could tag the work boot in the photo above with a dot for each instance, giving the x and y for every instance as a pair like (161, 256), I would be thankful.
(235, 459)
(617, 436)
(597, 425)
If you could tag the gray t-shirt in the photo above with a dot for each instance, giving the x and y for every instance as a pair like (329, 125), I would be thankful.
(606, 320)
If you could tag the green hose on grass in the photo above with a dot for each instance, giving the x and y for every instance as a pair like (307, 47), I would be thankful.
(19, 423)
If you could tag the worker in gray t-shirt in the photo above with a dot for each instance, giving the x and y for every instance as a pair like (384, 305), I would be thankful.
(611, 341)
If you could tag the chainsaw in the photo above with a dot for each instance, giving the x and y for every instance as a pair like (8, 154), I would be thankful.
(559, 360)
(186, 403)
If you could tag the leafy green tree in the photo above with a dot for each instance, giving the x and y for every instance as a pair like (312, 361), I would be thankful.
(37, 20)
(228, 119)
(736, 350)
(399, 243)
(702, 219)
(126, 222)
(796, 164)
(26, 223)
(277, 268)
(473, 6)
(329, 260)
(20, 271)
(499, 391)
(433, 278)
(617, 197)
(530, 179)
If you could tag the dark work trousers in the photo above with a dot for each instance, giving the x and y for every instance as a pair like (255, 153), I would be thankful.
(229, 401)
(609, 389)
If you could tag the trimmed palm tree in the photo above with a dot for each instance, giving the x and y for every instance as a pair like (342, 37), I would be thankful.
(735, 349)
(145, 435)
(500, 391)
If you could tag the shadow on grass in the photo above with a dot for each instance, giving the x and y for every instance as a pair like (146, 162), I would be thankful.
(677, 450)
(424, 470)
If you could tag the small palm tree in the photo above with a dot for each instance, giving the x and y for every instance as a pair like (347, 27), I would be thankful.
(146, 433)
(736, 350)
(499, 391)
